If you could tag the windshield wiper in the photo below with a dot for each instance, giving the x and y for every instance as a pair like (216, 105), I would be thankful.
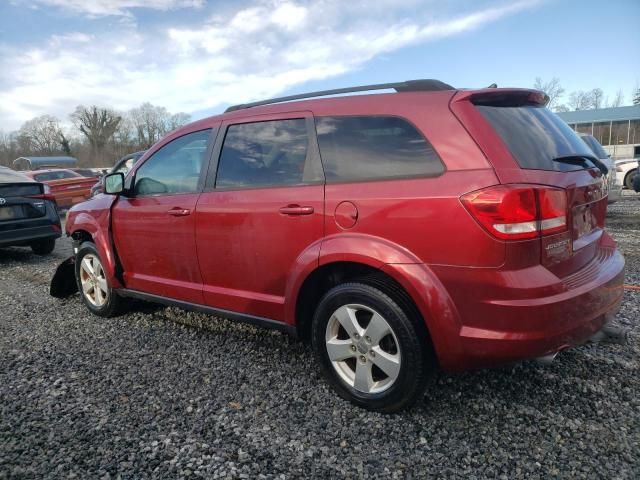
(584, 161)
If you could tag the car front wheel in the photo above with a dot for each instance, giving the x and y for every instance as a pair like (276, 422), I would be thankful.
(370, 349)
(94, 289)
(628, 179)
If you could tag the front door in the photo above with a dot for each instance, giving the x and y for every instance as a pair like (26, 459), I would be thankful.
(260, 212)
(154, 227)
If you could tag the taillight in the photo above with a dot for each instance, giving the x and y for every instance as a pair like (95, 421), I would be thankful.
(46, 194)
(515, 212)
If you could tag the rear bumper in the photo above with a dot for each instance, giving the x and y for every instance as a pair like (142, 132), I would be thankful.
(25, 236)
(25, 231)
(497, 330)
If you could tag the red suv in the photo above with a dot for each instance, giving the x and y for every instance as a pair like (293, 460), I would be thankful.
(397, 231)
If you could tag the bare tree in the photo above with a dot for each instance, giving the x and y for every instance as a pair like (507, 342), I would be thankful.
(580, 100)
(636, 97)
(151, 123)
(618, 100)
(597, 98)
(177, 120)
(98, 125)
(552, 88)
(40, 135)
(8, 148)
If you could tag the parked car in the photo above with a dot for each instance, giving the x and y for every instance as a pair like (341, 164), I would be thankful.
(123, 165)
(67, 187)
(614, 187)
(397, 232)
(28, 214)
(85, 172)
(626, 170)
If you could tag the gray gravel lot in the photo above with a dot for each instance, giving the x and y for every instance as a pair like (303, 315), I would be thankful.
(148, 395)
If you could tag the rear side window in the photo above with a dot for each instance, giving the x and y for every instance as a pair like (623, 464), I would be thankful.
(536, 137)
(263, 154)
(374, 148)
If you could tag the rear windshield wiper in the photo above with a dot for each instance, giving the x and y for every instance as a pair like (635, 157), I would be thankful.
(586, 162)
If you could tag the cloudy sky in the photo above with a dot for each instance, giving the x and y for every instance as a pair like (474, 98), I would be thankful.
(199, 56)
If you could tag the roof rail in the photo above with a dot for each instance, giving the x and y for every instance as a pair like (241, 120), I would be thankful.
(422, 85)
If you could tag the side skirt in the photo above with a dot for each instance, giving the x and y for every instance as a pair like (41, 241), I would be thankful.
(196, 307)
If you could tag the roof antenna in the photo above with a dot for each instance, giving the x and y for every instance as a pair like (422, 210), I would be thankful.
(493, 85)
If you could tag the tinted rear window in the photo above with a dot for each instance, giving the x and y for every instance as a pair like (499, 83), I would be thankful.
(595, 146)
(374, 148)
(535, 136)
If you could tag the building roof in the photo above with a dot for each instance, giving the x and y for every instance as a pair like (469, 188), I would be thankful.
(35, 162)
(602, 114)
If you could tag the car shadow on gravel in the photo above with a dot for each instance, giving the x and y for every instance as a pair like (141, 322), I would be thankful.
(18, 254)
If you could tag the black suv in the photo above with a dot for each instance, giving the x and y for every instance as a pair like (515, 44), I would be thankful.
(28, 213)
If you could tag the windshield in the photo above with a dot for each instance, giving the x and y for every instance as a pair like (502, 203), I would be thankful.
(536, 137)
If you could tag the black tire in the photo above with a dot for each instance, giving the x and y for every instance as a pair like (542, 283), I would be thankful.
(43, 247)
(417, 363)
(114, 304)
(628, 178)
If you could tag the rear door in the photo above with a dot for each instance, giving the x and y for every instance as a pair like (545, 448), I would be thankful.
(154, 227)
(527, 143)
(259, 213)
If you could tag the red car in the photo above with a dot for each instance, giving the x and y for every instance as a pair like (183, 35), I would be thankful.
(397, 232)
(67, 186)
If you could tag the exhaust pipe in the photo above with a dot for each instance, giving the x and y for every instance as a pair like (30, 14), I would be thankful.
(546, 359)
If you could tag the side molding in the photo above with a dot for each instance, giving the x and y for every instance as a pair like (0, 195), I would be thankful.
(196, 307)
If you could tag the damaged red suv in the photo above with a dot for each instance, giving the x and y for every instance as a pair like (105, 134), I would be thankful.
(397, 232)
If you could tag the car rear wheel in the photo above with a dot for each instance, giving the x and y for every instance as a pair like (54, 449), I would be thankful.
(43, 247)
(369, 349)
(93, 286)
(628, 179)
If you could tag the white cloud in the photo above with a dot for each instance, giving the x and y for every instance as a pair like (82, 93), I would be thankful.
(117, 7)
(258, 51)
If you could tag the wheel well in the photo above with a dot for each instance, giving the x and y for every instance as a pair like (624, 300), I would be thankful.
(81, 236)
(323, 279)
(633, 171)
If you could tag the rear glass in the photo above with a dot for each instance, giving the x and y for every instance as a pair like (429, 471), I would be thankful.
(58, 175)
(374, 148)
(595, 146)
(535, 137)
(20, 190)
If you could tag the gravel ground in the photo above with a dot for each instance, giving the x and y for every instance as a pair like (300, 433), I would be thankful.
(148, 395)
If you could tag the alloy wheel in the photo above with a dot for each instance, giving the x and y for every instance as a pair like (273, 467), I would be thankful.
(362, 348)
(93, 280)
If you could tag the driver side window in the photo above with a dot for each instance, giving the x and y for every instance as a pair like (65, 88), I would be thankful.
(175, 168)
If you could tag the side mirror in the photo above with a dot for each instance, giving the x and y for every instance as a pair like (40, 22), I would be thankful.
(114, 183)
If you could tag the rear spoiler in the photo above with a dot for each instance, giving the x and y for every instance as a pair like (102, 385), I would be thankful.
(503, 97)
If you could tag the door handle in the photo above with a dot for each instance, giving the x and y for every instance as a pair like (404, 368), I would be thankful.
(179, 212)
(296, 210)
